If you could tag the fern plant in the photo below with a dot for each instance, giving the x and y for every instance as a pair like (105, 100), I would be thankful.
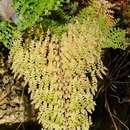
(62, 74)
(116, 38)
(6, 32)
(29, 11)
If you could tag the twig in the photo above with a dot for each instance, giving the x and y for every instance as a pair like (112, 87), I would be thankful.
(109, 111)
(121, 122)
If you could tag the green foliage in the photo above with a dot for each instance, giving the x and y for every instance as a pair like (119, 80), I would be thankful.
(108, 34)
(54, 26)
(6, 31)
(115, 38)
(29, 11)
(112, 36)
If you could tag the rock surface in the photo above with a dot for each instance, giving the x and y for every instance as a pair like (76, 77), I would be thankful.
(15, 106)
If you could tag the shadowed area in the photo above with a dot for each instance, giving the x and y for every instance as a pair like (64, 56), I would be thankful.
(113, 98)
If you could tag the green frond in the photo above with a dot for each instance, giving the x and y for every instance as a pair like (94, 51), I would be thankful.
(115, 38)
(29, 11)
(6, 32)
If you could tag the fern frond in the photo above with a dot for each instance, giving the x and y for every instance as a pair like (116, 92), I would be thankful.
(30, 11)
